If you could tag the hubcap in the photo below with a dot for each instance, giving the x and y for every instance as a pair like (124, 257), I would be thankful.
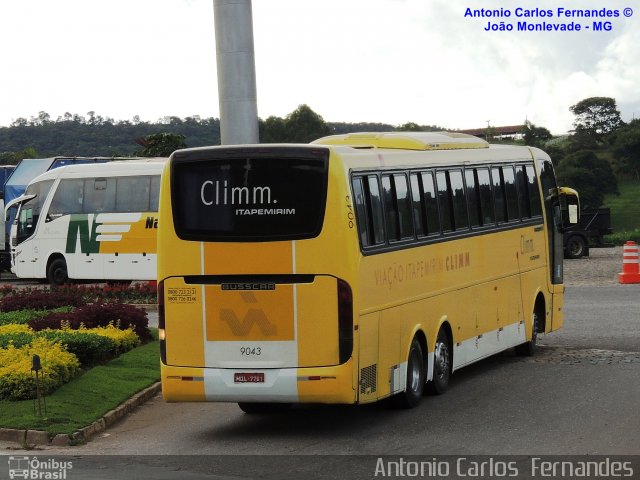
(415, 372)
(442, 359)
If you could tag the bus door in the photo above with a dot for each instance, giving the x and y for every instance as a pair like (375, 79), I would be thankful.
(555, 243)
(26, 249)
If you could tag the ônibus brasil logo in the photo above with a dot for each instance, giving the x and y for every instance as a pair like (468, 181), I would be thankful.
(36, 469)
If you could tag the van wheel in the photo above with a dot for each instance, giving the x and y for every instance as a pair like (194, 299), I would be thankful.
(260, 407)
(415, 378)
(57, 272)
(441, 364)
(527, 349)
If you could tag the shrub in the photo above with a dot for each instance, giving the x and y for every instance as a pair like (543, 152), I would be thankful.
(89, 348)
(16, 335)
(120, 315)
(23, 316)
(44, 299)
(16, 379)
(123, 340)
(119, 292)
(7, 289)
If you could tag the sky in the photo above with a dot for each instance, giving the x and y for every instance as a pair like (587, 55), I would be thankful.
(388, 61)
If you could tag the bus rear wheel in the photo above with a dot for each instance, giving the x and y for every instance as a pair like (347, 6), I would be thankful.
(415, 378)
(441, 364)
(57, 272)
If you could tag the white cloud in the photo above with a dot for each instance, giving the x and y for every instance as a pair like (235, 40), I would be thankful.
(387, 61)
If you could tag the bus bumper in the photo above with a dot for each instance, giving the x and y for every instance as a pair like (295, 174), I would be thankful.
(334, 384)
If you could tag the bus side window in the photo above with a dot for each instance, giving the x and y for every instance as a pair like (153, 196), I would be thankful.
(403, 205)
(510, 193)
(475, 216)
(375, 209)
(361, 213)
(154, 193)
(444, 202)
(390, 210)
(132, 194)
(430, 204)
(523, 192)
(99, 195)
(68, 198)
(418, 207)
(498, 194)
(534, 193)
(459, 202)
(486, 197)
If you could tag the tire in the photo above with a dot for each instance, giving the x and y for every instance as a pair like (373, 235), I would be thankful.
(576, 247)
(527, 349)
(442, 357)
(261, 408)
(414, 388)
(57, 272)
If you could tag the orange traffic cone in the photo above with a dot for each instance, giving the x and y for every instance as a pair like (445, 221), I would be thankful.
(630, 266)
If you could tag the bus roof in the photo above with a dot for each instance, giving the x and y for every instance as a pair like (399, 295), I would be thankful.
(118, 168)
(406, 140)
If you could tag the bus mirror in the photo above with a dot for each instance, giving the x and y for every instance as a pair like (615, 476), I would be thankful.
(570, 206)
(573, 214)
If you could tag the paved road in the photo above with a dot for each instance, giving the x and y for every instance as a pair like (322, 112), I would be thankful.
(578, 396)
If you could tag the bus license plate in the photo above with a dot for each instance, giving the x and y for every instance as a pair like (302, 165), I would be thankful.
(248, 377)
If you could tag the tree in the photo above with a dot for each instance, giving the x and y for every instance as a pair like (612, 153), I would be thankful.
(590, 175)
(161, 144)
(273, 130)
(626, 146)
(596, 117)
(534, 136)
(409, 127)
(303, 125)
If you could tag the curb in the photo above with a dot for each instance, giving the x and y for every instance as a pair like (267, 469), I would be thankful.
(38, 437)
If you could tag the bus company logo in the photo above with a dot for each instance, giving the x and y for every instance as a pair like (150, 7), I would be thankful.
(87, 230)
(33, 468)
(222, 194)
(215, 194)
(254, 316)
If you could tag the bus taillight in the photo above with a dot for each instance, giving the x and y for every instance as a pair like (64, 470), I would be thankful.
(161, 332)
(345, 321)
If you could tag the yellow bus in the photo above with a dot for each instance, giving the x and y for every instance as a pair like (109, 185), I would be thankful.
(352, 269)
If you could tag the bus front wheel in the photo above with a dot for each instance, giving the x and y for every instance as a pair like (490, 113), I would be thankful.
(527, 349)
(57, 272)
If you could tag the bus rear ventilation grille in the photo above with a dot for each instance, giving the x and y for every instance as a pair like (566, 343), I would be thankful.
(368, 376)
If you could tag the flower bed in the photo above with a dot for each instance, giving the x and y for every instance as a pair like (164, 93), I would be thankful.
(65, 331)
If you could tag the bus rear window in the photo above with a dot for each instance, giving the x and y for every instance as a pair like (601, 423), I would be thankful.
(240, 195)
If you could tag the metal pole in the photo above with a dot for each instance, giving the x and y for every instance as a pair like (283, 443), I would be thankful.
(236, 71)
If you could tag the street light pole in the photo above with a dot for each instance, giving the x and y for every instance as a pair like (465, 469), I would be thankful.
(235, 61)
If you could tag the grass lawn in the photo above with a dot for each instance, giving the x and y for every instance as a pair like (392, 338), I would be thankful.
(88, 397)
(625, 211)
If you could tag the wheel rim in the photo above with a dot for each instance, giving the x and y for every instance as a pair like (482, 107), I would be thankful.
(576, 247)
(59, 275)
(534, 329)
(441, 355)
(415, 379)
